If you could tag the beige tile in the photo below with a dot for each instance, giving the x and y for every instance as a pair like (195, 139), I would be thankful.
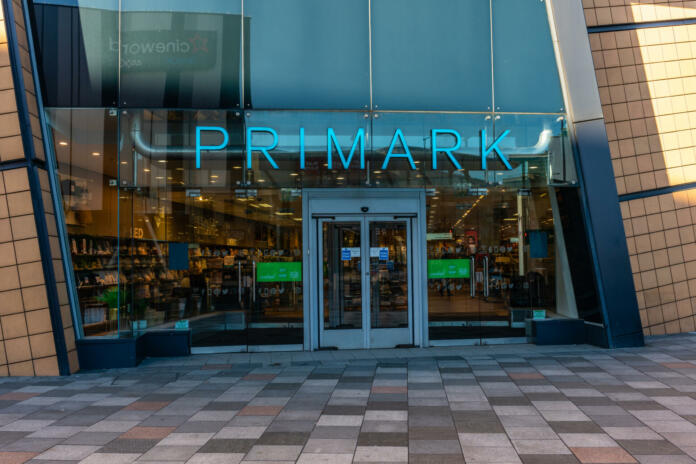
(16, 180)
(5, 231)
(46, 366)
(13, 326)
(73, 361)
(11, 302)
(31, 274)
(58, 270)
(40, 321)
(19, 204)
(22, 369)
(9, 125)
(11, 148)
(9, 278)
(66, 315)
(4, 212)
(7, 254)
(3, 357)
(27, 250)
(17, 349)
(8, 101)
(69, 334)
(42, 345)
(34, 297)
(62, 290)
(23, 227)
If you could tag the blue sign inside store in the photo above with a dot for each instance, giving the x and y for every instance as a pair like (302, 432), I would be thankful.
(358, 146)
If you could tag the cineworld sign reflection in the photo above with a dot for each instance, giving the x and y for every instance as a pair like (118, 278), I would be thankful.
(358, 145)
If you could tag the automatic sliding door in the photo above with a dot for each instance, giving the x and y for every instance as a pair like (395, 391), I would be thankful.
(340, 277)
(390, 277)
(365, 290)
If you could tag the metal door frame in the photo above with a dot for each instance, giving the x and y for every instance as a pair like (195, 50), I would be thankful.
(332, 203)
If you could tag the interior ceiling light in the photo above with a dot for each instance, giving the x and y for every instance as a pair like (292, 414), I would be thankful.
(265, 205)
(63, 143)
(96, 153)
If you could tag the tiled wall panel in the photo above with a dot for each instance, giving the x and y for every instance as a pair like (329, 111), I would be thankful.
(27, 339)
(606, 12)
(26, 332)
(647, 85)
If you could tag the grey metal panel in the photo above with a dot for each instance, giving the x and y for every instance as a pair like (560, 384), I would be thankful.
(606, 236)
(572, 44)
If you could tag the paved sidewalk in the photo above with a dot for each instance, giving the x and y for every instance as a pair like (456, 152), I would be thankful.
(502, 404)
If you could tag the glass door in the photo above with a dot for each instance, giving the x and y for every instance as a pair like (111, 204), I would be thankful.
(341, 283)
(365, 289)
(390, 289)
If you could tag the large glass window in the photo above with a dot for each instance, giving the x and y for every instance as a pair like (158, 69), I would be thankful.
(77, 48)
(307, 54)
(175, 56)
(522, 53)
(85, 146)
(432, 55)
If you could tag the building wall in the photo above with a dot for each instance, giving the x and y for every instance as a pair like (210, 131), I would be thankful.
(33, 293)
(647, 84)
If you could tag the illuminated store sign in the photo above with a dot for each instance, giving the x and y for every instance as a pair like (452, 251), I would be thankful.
(358, 145)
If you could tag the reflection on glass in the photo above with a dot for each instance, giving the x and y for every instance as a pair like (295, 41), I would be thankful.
(389, 275)
(526, 76)
(85, 144)
(538, 147)
(77, 52)
(310, 54)
(432, 55)
(491, 260)
(341, 275)
(174, 56)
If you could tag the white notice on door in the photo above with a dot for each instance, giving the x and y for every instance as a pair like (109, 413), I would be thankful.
(354, 252)
(374, 252)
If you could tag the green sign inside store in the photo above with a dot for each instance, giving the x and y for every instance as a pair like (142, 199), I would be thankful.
(449, 268)
(279, 272)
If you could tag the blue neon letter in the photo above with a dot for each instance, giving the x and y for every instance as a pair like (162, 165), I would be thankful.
(447, 151)
(250, 148)
(302, 151)
(398, 135)
(485, 151)
(331, 141)
(199, 147)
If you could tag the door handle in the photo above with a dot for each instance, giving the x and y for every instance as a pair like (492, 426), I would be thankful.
(472, 277)
(485, 276)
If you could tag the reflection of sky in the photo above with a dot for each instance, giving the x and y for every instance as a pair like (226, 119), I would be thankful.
(188, 6)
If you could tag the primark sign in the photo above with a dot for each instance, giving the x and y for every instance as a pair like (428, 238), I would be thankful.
(439, 148)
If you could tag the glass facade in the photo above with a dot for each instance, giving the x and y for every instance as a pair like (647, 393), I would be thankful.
(437, 96)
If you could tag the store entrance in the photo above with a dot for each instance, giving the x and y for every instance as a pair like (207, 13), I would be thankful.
(366, 281)
(365, 259)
